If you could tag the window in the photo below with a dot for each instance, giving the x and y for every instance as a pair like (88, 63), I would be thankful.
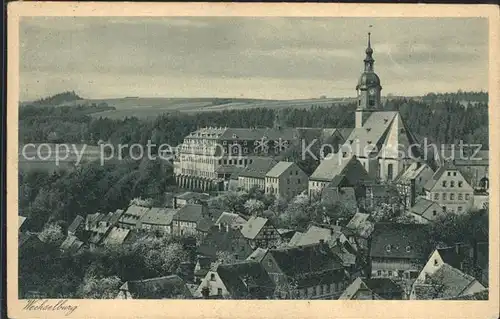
(389, 273)
(388, 248)
(444, 208)
(452, 196)
(454, 173)
(449, 173)
(444, 196)
(212, 277)
(371, 102)
(269, 262)
(459, 209)
(219, 291)
(408, 248)
(359, 102)
(435, 262)
(444, 183)
(434, 213)
(389, 171)
(460, 184)
(224, 143)
(298, 181)
(379, 273)
(452, 184)
(460, 196)
(436, 196)
(467, 196)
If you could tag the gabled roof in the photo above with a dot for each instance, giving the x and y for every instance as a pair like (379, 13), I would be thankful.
(246, 279)
(159, 216)
(204, 225)
(230, 219)
(453, 256)
(361, 225)
(258, 254)
(71, 244)
(253, 226)
(437, 175)
(295, 238)
(446, 282)
(133, 214)
(116, 236)
(168, 287)
(314, 234)
(329, 168)
(22, 219)
(307, 259)
(76, 223)
(258, 168)
(402, 241)
(412, 172)
(192, 195)
(421, 206)
(373, 131)
(363, 288)
(190, 213)
(223, 240)
(116, 216)
(279, 169)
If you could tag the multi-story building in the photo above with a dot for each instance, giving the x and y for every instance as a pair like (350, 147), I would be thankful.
(411, 182)
(285, 180)
(260, 232)
(450, 190)
(254, 175)
(206, 157)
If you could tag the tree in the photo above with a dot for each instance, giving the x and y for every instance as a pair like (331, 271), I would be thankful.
(99, 288)
(52, 234)
(254, 207)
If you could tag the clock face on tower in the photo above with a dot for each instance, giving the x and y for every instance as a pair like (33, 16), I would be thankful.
(372, 91)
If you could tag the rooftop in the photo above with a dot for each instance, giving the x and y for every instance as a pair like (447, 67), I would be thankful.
(168, 287)
(253, 226)
(279, 169)
(258, 168)
(401, 241)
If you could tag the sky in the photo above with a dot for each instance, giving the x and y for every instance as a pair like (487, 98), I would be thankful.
(271, 57)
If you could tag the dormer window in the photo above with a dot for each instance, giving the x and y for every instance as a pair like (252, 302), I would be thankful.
(234, 136)
(408, 248)
(435, 262)
(369, 142)
(385, 121)
(388, 248)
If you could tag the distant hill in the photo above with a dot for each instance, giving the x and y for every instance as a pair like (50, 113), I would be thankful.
(58, 99)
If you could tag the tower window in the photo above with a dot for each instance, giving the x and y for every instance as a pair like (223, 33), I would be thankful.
(359, 102)
(371, 102)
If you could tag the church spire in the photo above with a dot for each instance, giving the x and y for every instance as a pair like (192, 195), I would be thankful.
(369, 58)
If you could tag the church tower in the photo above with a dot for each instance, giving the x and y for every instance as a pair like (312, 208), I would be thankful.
(368, 89)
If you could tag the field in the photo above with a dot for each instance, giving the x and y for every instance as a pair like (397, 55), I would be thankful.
(152, 107)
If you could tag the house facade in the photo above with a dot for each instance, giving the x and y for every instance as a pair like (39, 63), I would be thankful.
(411, 182)
(254, 175)
(425, 210)
(285, 180)
(260, 232)
(450, 190)
(306, 272)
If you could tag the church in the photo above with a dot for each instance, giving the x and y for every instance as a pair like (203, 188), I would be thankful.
(380, 140)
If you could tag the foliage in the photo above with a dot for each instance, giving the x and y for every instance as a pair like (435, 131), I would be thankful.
(99, 288)
(52, 234)
(254, 207)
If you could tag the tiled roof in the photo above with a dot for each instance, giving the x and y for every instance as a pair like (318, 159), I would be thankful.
(116, 216)
(446, 282)
(116, 236)
(190, 213)
(204, 224)
(314, 258)
(412, 172)
(133, 214)
(258, 168)
(258, 254)
(71, 244)
(76, 223)
(454, 255)
(159, 216)
(421, 206)
(314, 234)
(358, 220)
(223, 240)
(168, 287)
(253, 226)
(372, 288)
(230, 219)
(279, 169)
(229, 169)
(258, 133)
(295, 239)
(329, 168)
(396, 240)
(246, 280)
